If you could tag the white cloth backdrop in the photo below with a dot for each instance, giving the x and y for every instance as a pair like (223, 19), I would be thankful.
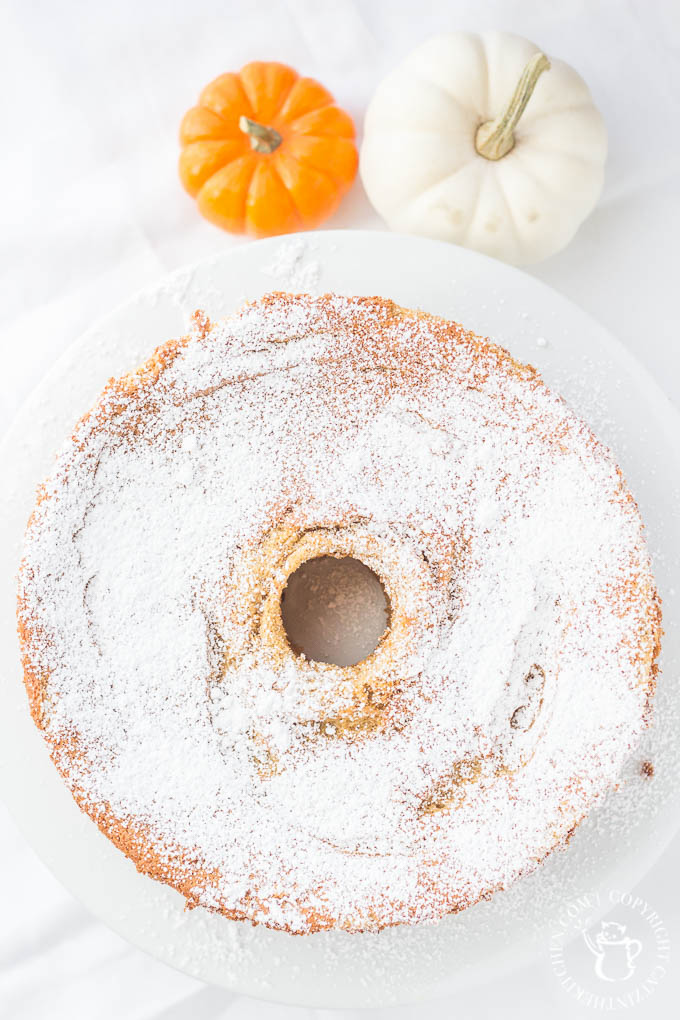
(91, 210)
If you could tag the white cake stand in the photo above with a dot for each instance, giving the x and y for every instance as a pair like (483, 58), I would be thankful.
(617, 844)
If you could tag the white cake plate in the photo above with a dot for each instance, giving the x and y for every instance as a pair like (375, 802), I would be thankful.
(616, 845)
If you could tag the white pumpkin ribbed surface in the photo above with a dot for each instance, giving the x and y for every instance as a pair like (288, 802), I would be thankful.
(422, 171)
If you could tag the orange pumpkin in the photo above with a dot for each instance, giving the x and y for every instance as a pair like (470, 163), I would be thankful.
(266, 151)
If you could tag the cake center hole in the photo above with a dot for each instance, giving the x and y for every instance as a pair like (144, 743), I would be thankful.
(334, 609)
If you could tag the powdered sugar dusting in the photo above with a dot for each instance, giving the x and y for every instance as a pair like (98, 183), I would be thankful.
(293, 268)
(524, 679)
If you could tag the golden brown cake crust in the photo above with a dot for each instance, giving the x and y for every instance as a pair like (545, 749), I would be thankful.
(401, 399)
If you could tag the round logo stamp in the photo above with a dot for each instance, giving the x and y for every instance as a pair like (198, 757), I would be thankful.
(613, 963)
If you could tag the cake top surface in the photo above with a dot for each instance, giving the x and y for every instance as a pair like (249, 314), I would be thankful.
(514, 683)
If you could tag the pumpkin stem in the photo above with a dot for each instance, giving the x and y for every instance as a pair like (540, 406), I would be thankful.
(496, 138)
(262, 139)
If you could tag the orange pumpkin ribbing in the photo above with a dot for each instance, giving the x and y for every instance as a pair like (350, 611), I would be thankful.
(292, 182)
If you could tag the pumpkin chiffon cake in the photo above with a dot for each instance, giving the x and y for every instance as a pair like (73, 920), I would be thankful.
(512, 682)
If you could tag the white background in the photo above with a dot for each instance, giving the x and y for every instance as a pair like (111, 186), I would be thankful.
(91, 210)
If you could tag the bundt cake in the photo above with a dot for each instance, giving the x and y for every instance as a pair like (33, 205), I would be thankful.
(515, 674)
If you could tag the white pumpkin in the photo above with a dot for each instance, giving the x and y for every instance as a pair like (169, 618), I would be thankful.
(464, 143)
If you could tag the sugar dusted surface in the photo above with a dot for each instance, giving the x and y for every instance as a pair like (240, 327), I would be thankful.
(326, 412)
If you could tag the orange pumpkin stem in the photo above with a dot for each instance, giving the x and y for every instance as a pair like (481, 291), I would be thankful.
(262, 139)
